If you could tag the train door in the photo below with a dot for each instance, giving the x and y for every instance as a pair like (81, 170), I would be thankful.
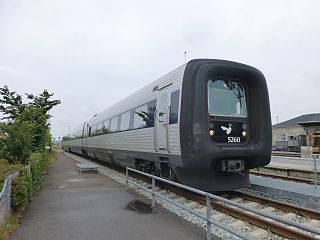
(86, 130)
(161, 120)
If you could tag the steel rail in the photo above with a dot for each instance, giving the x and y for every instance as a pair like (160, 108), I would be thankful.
(287, 178)
(286, 154)
(235, 204)
(258, 221)
(224, 227)
(280, 205)
(264, 223)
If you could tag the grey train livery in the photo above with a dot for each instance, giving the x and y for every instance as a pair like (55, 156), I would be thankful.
(205, 124)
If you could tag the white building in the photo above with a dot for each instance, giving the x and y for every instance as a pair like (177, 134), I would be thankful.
(294, 133)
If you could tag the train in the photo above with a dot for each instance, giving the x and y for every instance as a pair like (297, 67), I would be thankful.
(204, 124)
(293, 144)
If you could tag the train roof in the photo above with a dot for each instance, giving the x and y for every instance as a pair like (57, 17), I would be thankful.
(125, 103)
(174, 75)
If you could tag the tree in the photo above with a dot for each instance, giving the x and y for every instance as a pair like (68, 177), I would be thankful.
(12, 106)
(27, 128)
(43, 101)
(35, 116)
(17, 145)
(10, 103)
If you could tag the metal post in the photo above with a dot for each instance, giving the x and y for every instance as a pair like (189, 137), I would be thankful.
(315, 171)
(153, 195)
(127, 183)
(208, 201)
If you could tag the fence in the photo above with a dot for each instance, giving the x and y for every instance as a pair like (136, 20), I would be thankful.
(5, 197)
(209, 198)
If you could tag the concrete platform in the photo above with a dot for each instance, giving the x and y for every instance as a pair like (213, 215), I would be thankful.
(294, 163)
(86, 167)
(91, 206)
(294, 167)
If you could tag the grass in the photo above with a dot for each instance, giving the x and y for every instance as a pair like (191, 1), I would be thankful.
(52, 155)
(9, 226)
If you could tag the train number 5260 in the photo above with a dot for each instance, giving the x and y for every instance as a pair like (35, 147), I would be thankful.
(234, 139)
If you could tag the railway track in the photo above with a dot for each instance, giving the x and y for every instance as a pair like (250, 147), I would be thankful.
(259, 224)
(289, 210)
(287, 178)
(258, 221)
(286, 154)
(276, 204)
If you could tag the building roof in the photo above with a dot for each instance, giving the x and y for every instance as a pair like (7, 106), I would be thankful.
(301, 120)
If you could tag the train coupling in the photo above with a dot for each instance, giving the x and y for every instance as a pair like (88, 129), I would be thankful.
(232, 165)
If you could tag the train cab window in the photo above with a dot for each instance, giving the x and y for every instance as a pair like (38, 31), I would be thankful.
(125, 121)
(226, 98)
(174, 107)
(114, 124)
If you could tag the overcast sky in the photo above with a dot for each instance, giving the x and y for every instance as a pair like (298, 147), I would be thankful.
(93, 53)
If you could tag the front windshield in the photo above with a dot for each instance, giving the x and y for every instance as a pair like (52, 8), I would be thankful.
(226, 98)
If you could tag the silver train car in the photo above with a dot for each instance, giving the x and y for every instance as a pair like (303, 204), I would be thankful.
(205, 124)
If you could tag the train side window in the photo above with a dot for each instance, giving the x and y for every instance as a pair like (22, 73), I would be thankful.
(105, 128)
(99, 128)
(131, 124)
(125, 121)
(140, 116)
(151, 109)
(93, 130)
(96, 129)
(79, 134)
(174, 107)
(114, 124)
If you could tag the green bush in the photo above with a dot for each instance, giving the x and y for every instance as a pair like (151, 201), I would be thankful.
(26, 183)
(6, 169)
(38, 166)
(21, 189)
(21, 185)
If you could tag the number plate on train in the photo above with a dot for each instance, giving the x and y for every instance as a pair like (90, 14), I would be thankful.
(228, 132)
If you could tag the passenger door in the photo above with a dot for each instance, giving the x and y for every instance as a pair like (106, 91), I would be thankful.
(85, 136)
(162, 120)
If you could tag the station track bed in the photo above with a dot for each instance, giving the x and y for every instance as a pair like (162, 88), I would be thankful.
(282, 177)
(258, 221)
(286, 154)
(311, 217)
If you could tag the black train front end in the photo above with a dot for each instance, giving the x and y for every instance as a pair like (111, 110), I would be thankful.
(225, 124)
